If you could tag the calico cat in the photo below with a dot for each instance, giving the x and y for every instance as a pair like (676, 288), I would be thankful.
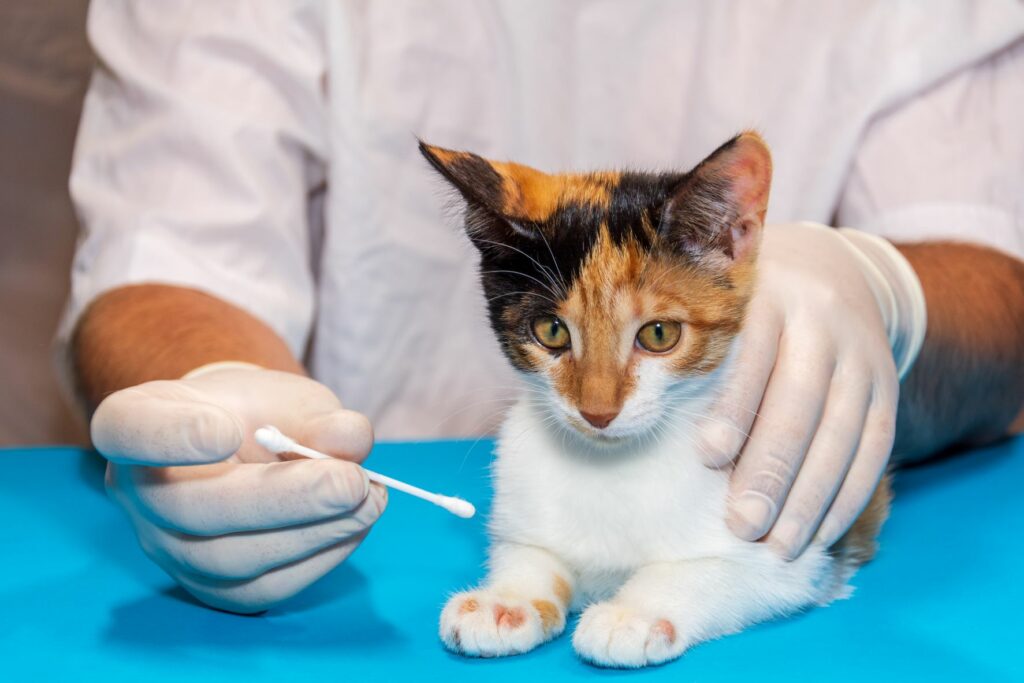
(619, 297)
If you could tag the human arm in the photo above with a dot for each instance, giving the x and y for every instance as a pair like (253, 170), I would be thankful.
(967, 386)
(125, 338)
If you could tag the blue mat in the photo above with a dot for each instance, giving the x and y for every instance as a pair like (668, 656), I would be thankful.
(79, 601)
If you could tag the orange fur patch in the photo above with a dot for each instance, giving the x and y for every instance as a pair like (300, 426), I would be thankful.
(562, 591)
(549, 614)
(469, 605)
(534, 195)
(860, 543)
(1018, 425)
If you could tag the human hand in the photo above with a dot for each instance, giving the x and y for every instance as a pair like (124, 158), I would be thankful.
(811, 404)
(236, 526)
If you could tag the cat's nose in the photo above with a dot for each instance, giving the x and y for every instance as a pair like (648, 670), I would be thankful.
(599, 420)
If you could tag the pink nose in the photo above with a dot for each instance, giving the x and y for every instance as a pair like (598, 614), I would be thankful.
(599, 420)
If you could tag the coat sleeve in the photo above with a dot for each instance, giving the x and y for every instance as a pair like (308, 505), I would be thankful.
(201, 142)
(948, 164)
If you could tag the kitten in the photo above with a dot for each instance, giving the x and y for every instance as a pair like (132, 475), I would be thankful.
(619, 297)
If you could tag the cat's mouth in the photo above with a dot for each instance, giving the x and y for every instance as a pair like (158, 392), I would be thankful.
(606, 440)
(613, 435)
(622, 430)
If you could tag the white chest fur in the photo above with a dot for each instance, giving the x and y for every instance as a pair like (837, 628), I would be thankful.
(608, 511)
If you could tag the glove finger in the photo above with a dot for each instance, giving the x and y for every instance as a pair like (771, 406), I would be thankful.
(792, 408)
(223, 498)
(247, 555)
(869, 464)
(722, 432)
(164, 423)
(342, 433)
(263, 592)
(828, 460)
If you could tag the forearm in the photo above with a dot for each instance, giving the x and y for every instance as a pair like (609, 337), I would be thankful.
(967, 386)
(145, 332)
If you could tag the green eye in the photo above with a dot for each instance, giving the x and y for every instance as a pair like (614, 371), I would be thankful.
(550, 332)
(659, 336)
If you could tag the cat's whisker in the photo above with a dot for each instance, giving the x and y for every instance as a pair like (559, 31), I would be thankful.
(537, 396)
(474, 404)
(561, 277)
(536, 294)
(676, 408)
(736, 406)
(515, 439)
(544, 269)
(522, 274)
(720, 421)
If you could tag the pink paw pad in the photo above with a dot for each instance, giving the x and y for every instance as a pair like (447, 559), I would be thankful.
(664, 629)
(509, 617)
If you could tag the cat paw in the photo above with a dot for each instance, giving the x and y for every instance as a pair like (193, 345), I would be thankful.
(618, 636)
(482, 623)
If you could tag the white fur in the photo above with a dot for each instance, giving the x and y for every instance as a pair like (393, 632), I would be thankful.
(635, 523)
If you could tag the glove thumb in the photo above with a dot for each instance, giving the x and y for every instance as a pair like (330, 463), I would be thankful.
(164, 423)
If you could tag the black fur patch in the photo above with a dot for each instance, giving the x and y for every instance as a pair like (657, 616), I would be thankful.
(472, 176)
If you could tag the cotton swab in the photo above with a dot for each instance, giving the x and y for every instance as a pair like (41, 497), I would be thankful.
(273, 440)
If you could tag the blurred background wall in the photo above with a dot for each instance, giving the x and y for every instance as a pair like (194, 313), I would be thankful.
(44, 70)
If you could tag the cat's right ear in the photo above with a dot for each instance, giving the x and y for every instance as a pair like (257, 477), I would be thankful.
(502, 198)
(474, 177)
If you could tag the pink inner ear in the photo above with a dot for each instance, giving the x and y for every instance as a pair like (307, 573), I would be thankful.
(751, 171)
(749, 167)
(744, 236)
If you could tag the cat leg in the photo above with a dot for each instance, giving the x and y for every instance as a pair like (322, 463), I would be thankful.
(666, 608)
(522, 604)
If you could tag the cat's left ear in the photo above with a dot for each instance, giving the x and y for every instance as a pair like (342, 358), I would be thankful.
(718, 208)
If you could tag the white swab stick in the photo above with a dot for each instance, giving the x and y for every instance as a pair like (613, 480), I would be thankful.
(273, 440)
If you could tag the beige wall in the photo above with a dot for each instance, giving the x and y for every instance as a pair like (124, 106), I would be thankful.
(44, 69)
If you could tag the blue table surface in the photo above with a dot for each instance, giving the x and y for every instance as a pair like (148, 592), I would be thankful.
(79, 601)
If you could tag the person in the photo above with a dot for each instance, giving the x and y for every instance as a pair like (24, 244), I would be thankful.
(260, 238)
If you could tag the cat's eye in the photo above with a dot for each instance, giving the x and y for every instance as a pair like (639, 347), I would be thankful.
(659, 336)
(551, 332)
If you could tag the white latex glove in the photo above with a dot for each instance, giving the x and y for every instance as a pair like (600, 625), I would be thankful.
(236, 527)
(815, 384)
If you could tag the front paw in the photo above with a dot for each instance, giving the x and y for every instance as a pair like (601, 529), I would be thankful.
(615, 635)
(483, 623)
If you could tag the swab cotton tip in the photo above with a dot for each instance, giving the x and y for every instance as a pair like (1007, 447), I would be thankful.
(273, 440)
(457, 506)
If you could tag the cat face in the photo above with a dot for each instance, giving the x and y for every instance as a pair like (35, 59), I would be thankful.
(615, 291)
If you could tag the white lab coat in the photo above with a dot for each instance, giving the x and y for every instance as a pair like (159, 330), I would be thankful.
(265, 151)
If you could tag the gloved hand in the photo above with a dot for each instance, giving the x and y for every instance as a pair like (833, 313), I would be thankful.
(815, 384)
(236, 527)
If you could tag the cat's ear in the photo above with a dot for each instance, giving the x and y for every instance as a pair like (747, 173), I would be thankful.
(503, 198)
(718, 208)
